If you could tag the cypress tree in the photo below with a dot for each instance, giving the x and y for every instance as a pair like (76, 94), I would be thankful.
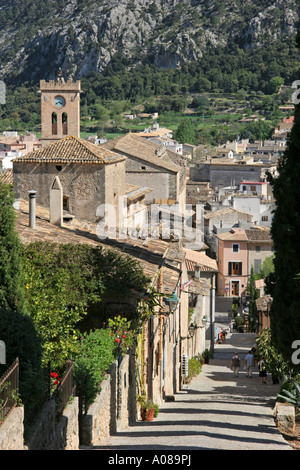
(11, 280)
(283, 284)
(253, 295)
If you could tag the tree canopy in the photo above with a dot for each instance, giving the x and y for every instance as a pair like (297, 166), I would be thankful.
(11, 278)
(285, 318)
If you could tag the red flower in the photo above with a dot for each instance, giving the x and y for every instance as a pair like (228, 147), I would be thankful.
(117, 340)
(54, 375)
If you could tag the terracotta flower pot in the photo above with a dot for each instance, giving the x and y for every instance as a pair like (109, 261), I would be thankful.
(148, 415)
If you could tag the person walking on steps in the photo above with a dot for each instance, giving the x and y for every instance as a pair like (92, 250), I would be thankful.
(224, 333)
(249, 363)
(235, 364)
(262, 371)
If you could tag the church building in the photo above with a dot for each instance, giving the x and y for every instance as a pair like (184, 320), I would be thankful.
(71, 176)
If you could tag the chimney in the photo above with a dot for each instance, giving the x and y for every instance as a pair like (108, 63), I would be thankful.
(197, 271)
(32, 198)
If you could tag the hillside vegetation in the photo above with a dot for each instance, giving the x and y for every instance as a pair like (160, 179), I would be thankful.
(222, 60)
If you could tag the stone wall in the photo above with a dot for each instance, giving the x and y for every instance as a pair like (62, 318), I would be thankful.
(115, 406)
(86, 186)
(49, 434)
(114, 409)
(224, 175)
(12, 430)
(96, 423)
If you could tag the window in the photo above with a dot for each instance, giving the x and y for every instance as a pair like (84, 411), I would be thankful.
(257, 249)
(265, 218)
(54, 123)
(66, 203)
(58, 167)
(234, 268)
(235, 248)
(253, 188)
(143, 168)
(64, 119)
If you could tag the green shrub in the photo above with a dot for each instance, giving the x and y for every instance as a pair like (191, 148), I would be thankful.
(22, 341)
(290, 393)
(91, 364)
(239, 324)
(195, 367)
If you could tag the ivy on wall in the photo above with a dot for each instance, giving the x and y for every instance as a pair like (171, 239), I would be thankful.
(62, 281)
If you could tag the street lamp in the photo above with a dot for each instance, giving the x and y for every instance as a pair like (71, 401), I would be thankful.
(173, 301)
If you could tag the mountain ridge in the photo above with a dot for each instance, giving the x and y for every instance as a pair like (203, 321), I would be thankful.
(81, 37)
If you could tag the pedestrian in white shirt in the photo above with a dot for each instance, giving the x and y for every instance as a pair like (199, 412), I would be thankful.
(249, 363)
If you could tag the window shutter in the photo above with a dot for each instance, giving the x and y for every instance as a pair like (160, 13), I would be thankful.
(240, 269)
(229, 268)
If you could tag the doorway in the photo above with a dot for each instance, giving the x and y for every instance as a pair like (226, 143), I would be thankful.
(235, 288)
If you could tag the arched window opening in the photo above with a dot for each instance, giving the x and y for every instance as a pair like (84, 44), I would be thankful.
(65, 123)
(54, 124)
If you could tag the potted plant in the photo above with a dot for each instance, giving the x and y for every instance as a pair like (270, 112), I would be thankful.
(149, 409)
(206, 356)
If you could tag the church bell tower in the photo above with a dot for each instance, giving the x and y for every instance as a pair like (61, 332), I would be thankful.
(60, 109)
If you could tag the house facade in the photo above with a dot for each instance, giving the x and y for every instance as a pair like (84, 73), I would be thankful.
(240, 250)
(202, 271)
(260, 209)
(254, 187)
(232, 263)
(153, 166)
(260, 246)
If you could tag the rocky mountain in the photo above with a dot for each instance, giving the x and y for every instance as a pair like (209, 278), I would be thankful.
(81, 36)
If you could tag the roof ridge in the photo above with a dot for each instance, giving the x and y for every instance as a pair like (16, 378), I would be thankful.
(86, 144)
(70, 148)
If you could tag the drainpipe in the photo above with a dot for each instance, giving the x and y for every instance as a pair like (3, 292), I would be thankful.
(32, 198)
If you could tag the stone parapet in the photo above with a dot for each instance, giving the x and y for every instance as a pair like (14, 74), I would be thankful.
(284, 414)
(65, 86)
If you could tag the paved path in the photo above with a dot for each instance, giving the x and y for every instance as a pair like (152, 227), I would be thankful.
(215, 411)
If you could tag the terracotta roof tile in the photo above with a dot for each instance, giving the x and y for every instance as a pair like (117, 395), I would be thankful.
(257, 234)
(6, 176)
(151, 253)
(138, 147)
(201, 259)
(226, 210)
(71, 150)
(135, 192)
(234, 235)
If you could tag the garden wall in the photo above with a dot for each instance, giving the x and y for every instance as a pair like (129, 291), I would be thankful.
(12, 430)
(50, 434)
(115, 406)
(113, 409)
